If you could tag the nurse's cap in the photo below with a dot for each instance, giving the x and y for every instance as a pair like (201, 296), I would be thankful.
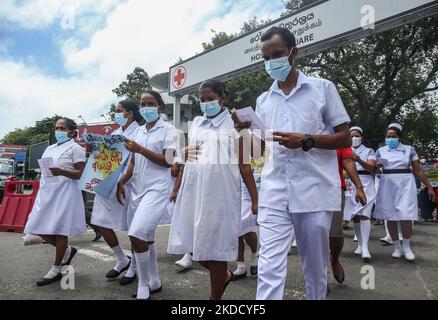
(396, 125)
(356, 129)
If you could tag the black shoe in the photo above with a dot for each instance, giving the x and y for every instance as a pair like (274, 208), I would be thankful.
(44, 281)
(235, 277)
(127, 280)
(113, 274)
(97, 237)
(253, 270)
(72, 254)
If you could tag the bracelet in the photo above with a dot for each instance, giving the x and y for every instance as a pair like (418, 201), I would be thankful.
(361, 186)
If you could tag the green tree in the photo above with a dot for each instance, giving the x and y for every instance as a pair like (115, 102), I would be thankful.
(384, 78)
(134, 85)
(38, 133)
(132, 88)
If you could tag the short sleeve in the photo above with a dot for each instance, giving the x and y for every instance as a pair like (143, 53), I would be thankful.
(334, 112)
(171, 139)
(371, 155)
(78, 154)
(413, 156)
(347, 153)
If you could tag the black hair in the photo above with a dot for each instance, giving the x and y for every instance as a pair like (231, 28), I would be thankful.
(131, 106)
(157, 97)
(216, 86)
(358, 131)
(71, 125)
(285, 34)
(397, 130)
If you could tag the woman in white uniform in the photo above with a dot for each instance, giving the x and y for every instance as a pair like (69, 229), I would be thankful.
(149, 171)
(59, 209)
(108, 214)
(360, 214)
(206, 219)
(248, 229)
(397, 195)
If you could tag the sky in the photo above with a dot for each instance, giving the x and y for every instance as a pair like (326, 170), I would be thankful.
(65, 56)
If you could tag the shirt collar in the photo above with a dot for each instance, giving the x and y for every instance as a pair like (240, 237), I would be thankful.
(360, 148)
(302, 79)
(216, 121)
(400, 148)
(156, 126)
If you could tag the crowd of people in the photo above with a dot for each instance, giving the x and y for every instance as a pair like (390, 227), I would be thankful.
(231, 185)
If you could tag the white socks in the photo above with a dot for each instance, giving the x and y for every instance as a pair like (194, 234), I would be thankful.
(357, 230)
(254, 259)
(241, 268)
(123, 260)
(66, 254)
(397, 246)
(143, 263)
(154, 275)
(53, 272)
(365, 229)
(132, 270)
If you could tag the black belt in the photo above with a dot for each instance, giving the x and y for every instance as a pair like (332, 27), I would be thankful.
(396, 171)
(363, 172)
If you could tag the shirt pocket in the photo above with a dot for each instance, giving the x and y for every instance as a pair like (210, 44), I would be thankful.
(308, 119)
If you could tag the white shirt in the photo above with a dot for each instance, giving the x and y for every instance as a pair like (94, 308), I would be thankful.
(398, 158)
(73, 155)
(295, 180)
(365, 154)
(160, 137)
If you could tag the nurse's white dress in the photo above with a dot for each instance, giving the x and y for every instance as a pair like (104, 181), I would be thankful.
(397, 193)
(248, 221)
(109, 213)
(150, 182)
(59, 206)
(352, 208)
(206, 219)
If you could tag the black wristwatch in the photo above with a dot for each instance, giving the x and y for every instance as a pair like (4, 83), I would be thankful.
(309, 142)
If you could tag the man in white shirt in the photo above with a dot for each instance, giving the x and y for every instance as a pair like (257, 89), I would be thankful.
(300, 184)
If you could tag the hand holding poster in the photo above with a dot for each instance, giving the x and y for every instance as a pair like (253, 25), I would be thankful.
(105, 164)
(431, 172)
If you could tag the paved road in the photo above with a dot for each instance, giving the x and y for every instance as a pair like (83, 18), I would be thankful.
(394, 279)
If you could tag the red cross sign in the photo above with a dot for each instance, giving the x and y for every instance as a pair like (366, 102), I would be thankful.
(179, 77)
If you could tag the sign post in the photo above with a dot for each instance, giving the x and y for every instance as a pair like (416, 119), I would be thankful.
(322, 25)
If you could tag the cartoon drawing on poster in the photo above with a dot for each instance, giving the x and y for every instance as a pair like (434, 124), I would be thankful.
(105, 164)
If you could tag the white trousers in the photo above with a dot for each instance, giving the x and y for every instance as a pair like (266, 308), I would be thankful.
(312, 235)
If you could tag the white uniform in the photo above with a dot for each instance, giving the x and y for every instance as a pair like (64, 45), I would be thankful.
(298, 187)
(206, 218)
(150, 182)
(248, 221)
(352, 208)
(167, 216)
(59, 206)
(397, 195)
(109, 213)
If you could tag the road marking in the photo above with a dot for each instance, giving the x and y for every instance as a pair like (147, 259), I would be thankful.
(419, 275)
(97, 255)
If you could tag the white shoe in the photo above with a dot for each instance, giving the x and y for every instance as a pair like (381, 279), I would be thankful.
(409, 255)
(185, 262)
(355, 238)
(358, 251)
(387, 240)
(397, 254)
(294, 244)
(366, 256)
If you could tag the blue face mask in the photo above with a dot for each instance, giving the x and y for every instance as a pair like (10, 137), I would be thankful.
(149, 114)
(61, 136)
(392, 142)
(211, 108)
(279, 69)
(120, 119)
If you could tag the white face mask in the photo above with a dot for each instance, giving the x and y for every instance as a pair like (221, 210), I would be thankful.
(423, 161)
(356, 142)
